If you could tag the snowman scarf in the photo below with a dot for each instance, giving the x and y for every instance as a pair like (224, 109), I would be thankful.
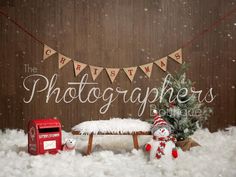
(162, 145)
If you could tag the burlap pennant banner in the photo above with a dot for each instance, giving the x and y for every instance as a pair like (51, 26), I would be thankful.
(62, 60)
(147, 69)
(130, 72)
(112, 73)
(78, 67)
(47, 52)
(177, 56)
(162, 63)
(95, 71)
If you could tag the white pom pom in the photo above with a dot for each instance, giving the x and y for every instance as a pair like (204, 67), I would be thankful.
(154, 111)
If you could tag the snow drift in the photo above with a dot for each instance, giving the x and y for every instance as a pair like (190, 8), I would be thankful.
(114, 157)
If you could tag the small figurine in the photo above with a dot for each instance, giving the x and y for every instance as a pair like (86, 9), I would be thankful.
(162, 144)
(69, 145)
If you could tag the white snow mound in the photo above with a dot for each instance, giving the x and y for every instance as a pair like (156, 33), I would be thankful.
(114, 125)
(214, 158)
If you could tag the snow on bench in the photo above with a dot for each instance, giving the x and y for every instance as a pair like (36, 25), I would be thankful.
(112, 126)
(115, 126)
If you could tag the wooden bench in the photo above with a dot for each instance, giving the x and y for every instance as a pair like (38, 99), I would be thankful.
(90, 140)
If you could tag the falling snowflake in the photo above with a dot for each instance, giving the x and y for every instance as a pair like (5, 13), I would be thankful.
(233, 86)
(145, 9)
(229, 35)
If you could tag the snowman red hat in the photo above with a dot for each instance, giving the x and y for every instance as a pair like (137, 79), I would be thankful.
(159, 123)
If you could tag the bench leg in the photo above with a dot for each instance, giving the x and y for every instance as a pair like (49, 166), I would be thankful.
(90, 144)
(135, 141)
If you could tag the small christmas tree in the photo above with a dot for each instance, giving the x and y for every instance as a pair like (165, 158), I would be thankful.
(185, 114)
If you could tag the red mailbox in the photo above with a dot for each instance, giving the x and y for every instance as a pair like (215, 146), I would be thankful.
(44, 135)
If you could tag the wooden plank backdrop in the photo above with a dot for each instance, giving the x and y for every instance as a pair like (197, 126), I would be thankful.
(114, 33)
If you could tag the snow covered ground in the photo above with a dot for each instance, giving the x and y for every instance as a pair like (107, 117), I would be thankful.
(113, 156)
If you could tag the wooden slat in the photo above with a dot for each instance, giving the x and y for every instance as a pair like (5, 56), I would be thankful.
(135, 141)
(90, 144)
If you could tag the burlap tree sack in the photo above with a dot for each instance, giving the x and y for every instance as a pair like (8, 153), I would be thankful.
(187, 144)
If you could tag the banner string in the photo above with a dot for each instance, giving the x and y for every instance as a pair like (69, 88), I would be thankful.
(21, 27)
(195, 37)
(210, 27)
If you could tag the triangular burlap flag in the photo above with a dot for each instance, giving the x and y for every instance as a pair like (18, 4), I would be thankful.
(78, 67)
(47, 52)
(95, 71)
(130, 72)
(177, 56)
(147, 69)
(162, 63)
(62, 60)
(112, 73)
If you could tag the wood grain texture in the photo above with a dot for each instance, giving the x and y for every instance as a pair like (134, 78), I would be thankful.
(90, 144)
(135, 141)
(114, 33)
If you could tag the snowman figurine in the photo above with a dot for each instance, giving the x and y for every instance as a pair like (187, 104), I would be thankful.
(162, 145)
(69, 145)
